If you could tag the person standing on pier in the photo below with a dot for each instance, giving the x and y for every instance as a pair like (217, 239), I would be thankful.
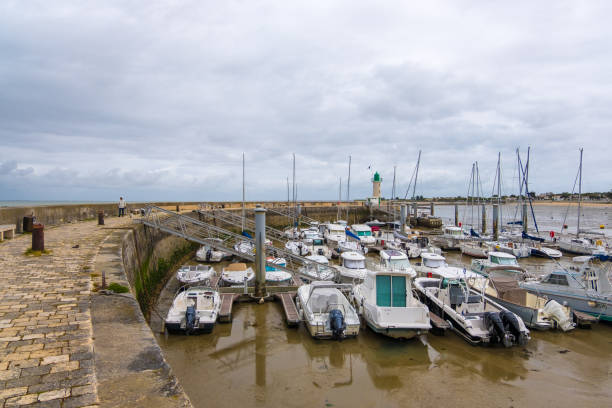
(121, 207)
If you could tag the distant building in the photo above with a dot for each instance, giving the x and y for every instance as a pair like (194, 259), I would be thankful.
(376, 180)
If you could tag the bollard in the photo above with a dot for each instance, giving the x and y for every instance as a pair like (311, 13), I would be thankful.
(260, 251)
(431, 209)
(525, 218)
(28, 222)
(484, 219)
(100, 217)
(178, 208)
(38, 237)
(18, 226)
(495, 222)
(456, 215)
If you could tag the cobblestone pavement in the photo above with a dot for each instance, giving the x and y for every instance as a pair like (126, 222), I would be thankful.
(46, 344)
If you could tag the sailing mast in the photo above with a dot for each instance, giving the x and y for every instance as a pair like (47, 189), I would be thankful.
(339, 197)
(294, 196)
(579, 193)
(416, 175)
(243, 209)
(348, 190)
(392, 196)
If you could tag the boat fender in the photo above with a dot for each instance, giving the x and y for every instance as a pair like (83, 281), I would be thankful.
(512, 325)
(337, 324)
(190, 318)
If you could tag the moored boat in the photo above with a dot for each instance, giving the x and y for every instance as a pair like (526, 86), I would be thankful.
(352, 267)
(193, 310)
(194, 274)
(237, 274)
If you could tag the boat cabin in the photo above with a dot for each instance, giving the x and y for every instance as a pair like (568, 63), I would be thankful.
(361, 230)
(502, 258)
(353, 260)
(432, 260)
(453, 232)
(394, 260)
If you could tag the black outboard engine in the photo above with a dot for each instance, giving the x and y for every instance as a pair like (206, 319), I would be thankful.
(512, 325)
(337, 324)
(422, 242)
(496, 327)
(320, 251)
(190, 318)
(208, 255)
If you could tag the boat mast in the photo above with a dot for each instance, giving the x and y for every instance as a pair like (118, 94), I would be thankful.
(339, 197)
(348, 190)
(243, 209)
(294, 194)
(499, 185)
(392, 195)
(579, 193)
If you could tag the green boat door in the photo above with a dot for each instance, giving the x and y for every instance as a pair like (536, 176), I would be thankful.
(390, 291)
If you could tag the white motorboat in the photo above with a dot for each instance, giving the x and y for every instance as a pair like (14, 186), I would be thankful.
(582, 245)
(208, 253)
(318, 247)
(450, 239)
(245, 247)
(193, 310)
(376, 223)
(394, 260)
(318, 269)
(434, 265)
(364, 232)
(194, 274)
(544, 252)
(292, 233)
(475, 249)
(326, 312)
(476, 319)
(386, 302)
(237, 274)
(518, 249)
(334, 233)
(352, 266)
(354, 246)
(297, 248)
(498, 264)
(274, 275)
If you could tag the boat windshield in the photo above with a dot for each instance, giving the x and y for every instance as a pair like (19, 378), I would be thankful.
(433, 263)
(354, 263)
(364, 233)
(503, 260)
(317, 241)
(399, 263)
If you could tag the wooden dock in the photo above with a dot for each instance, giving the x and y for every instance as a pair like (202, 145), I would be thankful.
(584, 320)
(227, 301)
(291, 314)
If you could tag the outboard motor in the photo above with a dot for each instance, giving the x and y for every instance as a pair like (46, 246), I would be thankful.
(496, 327)
(512, 325)
(208, 255)
(337, 324)
(190, 318)
(320, 251)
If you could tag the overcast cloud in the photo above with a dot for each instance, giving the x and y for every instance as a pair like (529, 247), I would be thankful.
(157, 101)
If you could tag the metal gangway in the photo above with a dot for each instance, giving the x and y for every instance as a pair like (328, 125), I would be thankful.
(219, 238)
(236, 220)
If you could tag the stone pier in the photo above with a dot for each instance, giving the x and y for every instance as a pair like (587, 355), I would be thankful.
(49, 356)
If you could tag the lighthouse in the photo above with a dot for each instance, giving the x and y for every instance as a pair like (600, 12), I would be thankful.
(376, 180)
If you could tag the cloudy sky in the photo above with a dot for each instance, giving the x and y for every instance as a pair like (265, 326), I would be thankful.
(157, 100)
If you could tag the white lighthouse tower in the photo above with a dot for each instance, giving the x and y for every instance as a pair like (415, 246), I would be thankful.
(376, 180)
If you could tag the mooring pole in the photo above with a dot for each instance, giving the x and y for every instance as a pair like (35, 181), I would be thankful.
(403, 213)
(525, 218)
(484, 219)
(456, 215)
(260, 251)
(431, 209)
(495, 222)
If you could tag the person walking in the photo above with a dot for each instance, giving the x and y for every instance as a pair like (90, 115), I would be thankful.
(121, 207)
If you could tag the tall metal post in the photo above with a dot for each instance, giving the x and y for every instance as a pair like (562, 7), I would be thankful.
(579, 195)
(495, 222)
(260, 251)
(456, 215)
(414, 209)
(403, 213)
(524, 217)
(484, 219)
(431, 209)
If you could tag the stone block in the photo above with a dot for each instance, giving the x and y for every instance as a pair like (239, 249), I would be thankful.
(55, 394)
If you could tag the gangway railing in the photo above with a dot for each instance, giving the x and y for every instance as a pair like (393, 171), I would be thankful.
(219, 238)
(292, 213)
(236, 220)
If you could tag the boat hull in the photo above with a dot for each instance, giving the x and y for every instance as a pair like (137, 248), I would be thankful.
(594, 307)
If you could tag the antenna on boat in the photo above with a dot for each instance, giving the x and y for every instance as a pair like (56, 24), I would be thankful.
(294, 194)
(243, 209)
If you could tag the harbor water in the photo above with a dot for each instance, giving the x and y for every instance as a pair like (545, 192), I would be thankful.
(258, 361)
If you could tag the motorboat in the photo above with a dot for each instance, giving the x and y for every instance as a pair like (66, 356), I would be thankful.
(582, 245)
(477, 319)
(544, 252)
(318, 269)
(498, 263)
(518, 249)
(364, 232)
(537, 312)
(207, 253)
(394, 260)
(318, 247)
(245, 247)
(376, 223)
(475, 249)
(194, 274)
(297, 248)
(387, 304)
(450, 238)
(274, 275)
(347, 246)
(352, 266)
(326, 311)
(292, 233)
(193, 310)
(434, 265)
(586, 289)
(334, 233)
(237, 274)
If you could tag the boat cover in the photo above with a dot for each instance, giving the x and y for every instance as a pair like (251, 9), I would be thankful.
(509, 290)
(352, 235)
(531, 237)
